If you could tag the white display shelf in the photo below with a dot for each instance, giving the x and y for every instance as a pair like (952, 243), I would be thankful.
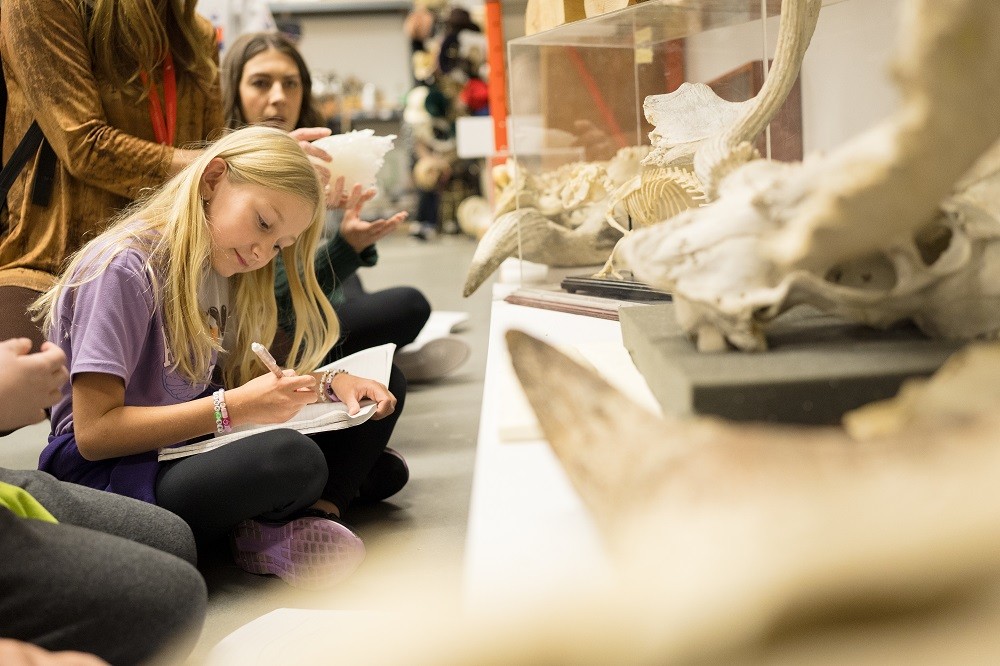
(529, 533)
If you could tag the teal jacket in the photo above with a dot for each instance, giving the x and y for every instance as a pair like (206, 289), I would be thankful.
(335, 262)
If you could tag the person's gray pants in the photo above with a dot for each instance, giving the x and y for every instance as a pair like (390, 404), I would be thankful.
(115, 577)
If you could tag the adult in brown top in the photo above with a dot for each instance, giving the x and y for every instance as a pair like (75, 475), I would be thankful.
(96, 75)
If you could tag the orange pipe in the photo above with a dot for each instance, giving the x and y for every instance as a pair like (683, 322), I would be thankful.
(497, 87)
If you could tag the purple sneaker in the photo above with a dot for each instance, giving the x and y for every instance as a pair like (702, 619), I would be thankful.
(306, 552)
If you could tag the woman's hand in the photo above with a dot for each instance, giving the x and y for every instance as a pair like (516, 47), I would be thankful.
(333, 188)
(360, 234)
(352, 390)
(267, 399)
(336, 194)
(305, 136)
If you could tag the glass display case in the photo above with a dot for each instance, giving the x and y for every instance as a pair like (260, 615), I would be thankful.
(577, 90)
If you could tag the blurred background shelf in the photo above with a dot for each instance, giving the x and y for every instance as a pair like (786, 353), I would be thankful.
(319, 8)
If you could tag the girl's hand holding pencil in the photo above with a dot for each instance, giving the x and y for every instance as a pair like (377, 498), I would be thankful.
(349, 389)
(273, 397)
(267, 359)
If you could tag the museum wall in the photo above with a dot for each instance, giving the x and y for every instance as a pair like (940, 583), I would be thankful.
(845, 83)
(371, 47)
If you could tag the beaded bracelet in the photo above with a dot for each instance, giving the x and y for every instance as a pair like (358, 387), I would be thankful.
(326, 393)
(321, 389)
(222, 422)
(227, 425)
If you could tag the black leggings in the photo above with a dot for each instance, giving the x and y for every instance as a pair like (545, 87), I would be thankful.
(274, 474)
(372, 319)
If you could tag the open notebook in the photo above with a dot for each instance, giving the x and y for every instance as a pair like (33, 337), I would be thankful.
(374, 363)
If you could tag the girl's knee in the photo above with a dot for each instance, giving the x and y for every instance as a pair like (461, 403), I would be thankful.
(291, 457)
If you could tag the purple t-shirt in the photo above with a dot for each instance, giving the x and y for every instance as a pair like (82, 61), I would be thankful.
(111, 325)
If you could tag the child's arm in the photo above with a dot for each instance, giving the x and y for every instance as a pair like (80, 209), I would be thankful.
(29, 382)
(106, 428)
(352, 390)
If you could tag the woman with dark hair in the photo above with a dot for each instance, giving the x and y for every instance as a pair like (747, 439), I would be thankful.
(295, 83)
(266, 81)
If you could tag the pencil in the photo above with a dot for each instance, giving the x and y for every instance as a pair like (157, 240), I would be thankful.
(267, 359)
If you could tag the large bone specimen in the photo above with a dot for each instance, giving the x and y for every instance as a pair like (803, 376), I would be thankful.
(540, 240)
(733, 533)
(696, 129)
(750, 545)
(883, 229)
(554, 218)
(658, 193)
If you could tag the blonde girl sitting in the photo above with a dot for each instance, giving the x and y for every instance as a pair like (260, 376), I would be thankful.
(171, 296)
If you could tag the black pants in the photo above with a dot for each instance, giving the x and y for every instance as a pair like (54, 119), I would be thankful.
(274, 474)
(372, 319)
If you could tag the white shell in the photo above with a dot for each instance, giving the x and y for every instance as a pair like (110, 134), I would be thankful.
(357, 156)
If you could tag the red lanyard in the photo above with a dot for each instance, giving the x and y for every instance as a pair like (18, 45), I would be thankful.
(164, 127)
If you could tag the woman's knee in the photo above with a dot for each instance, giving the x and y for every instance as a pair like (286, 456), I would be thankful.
(183, 606)
(416, 304)
(405, 310)
(99, 593)
(167, 610)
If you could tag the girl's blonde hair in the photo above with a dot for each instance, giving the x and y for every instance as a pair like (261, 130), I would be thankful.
(170, 225)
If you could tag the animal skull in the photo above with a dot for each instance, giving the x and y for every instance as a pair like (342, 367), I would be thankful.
(876, 231)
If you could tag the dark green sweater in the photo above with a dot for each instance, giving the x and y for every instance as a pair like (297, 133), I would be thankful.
(335, 262)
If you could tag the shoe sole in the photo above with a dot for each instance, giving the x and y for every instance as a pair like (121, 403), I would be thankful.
(307, 552)
(435, 359)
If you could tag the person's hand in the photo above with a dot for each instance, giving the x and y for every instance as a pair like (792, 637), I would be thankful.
(305, 136)
(336, 194)
(360, 234)
(352, 390)
(29, 382)
(267, 399)
(334, 191)
(19, 653)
